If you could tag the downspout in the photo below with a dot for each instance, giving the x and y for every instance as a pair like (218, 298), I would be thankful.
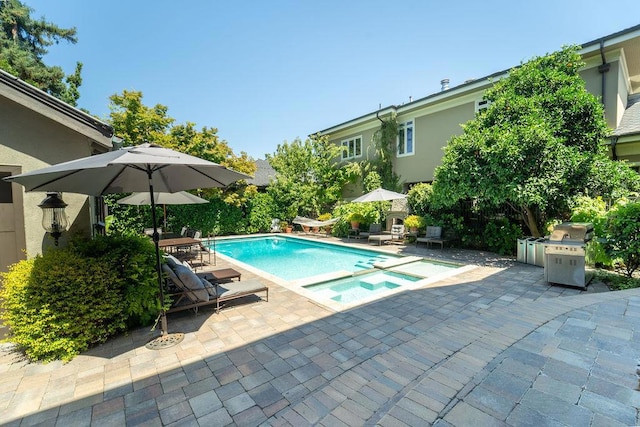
(602, 69)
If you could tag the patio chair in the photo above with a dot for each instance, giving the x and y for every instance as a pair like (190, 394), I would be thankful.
(374, 229)
(433, 235)
(396, 234)
(188, 248)
(192, 291)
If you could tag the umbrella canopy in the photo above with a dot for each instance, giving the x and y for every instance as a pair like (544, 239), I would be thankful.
(379, 195)
(146, 167)
(130, 170)
(179, 198)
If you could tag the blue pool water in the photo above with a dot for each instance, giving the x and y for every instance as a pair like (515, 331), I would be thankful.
(292, 259)
(357, 288)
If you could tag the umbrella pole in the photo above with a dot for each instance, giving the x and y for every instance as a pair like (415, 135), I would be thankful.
(164, 211)
(156, 238)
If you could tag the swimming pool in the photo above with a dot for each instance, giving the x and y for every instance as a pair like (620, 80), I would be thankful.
(334, 275)
(291, 259)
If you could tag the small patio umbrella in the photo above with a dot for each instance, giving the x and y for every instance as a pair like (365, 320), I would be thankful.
(145, 167)
(379, 195)
(179, 198)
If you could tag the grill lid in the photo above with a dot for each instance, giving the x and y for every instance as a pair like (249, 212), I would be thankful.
(572, 232)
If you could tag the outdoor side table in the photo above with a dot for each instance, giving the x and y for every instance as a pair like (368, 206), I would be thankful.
(225, 275)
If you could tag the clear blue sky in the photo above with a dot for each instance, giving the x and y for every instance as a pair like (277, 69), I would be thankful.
(268, 71)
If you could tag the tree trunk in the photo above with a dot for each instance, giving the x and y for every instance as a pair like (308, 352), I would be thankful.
(530, 220)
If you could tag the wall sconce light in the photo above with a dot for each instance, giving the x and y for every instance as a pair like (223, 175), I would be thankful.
(54, 219)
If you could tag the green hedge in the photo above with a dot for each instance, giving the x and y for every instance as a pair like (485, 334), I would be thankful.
(62, 302)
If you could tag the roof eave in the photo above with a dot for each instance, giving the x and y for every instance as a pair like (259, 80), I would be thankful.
(55, 104)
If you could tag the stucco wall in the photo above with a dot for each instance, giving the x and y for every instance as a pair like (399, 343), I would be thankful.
(615, 102)
(432, 133)
(29, 140)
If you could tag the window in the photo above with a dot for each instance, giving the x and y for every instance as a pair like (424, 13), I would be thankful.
(6, 194)
(405, 138)
(352, 148)
(482, 104)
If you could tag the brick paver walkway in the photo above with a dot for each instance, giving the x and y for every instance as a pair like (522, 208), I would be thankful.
(494, 346)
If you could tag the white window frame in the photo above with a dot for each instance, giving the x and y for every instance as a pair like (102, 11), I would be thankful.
(482, 104)
(353, 147)
(402, 134)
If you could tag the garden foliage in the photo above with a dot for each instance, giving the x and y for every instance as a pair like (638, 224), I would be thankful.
(62, 302)
(534, 148)
(623, 236)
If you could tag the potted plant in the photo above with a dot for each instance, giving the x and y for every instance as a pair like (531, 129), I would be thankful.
(284, 225)
(356, 218)
(325, 217)
(414, 222)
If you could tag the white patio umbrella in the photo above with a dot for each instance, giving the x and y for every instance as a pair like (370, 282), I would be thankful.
(179, 198)
(379, 195)
(146, 167)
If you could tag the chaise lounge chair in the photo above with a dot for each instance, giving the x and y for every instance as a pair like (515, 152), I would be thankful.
(192, 291)
(396, 234)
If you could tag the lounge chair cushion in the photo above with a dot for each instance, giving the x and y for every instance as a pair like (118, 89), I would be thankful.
(211, 288)
(244, 287)
(166, 269)
(192, 282)
(172, 261)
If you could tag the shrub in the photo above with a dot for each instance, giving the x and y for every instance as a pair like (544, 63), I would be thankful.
(66, 300)
(623, 236)
(59, 304)
(356, 217)
(261, 212)
(616, 282)
(133, 257)
(419, 197)
(586, 209)
(500, 236)
(414, 221)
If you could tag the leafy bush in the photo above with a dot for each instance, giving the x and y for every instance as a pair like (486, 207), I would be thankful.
(414, 221)
(368, 211)
(500, 236)
(419, 198)
(261, 212)
(66, 300)
(616, 282)
(586, 209)
(623, 236)
(133, 257)
(59, 304)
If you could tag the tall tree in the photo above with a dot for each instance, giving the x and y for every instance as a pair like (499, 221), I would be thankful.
(308, 179)
(135, 122)
(23, 45)
(535, 146)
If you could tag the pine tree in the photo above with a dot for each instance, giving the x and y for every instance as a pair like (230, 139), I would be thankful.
(23, 44)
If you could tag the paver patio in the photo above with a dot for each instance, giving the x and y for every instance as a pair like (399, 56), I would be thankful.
(493, 346)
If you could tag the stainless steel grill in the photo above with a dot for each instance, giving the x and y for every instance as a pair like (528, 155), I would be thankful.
(564, 254)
